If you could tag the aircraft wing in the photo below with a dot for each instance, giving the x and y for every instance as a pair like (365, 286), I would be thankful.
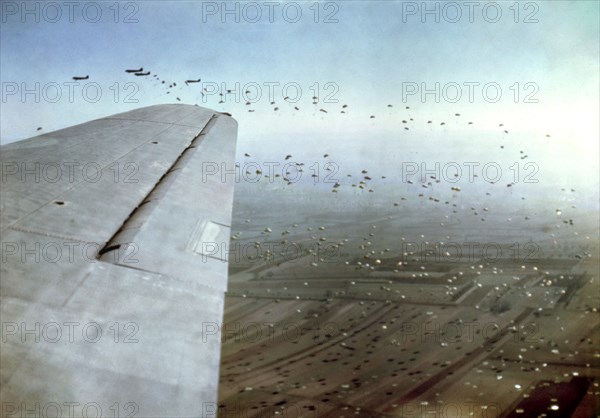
(112, 277)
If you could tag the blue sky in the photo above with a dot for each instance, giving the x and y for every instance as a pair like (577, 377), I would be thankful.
(367, 54)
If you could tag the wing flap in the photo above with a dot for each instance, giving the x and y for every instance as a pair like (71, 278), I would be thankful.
(164, 232)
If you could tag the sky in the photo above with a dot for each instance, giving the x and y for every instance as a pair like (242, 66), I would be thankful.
(538, 62)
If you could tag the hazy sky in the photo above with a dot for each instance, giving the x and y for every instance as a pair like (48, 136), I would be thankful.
(367, 54)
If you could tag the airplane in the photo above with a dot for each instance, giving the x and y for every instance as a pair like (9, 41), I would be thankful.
(77, 78)
(111, 293)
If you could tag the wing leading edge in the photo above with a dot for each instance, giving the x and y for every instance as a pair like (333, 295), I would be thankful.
(111, 295)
